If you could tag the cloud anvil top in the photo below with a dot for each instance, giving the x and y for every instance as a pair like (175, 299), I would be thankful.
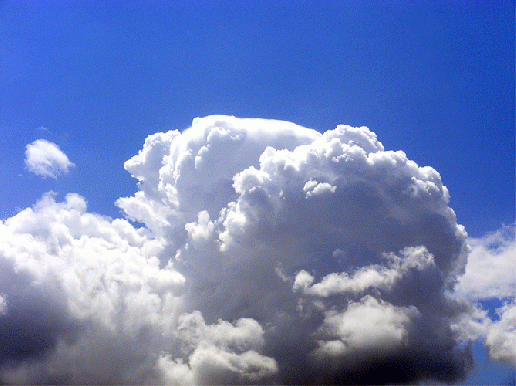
(269, 253)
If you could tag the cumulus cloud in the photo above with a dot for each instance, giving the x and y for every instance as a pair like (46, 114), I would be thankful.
(220, 353)
(367, 324)
(501, 336)
(490, 274)
(270, 253)
(373, 276)
(491, 269)
(45, 159)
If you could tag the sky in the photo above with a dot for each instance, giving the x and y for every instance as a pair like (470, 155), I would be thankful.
(120, 232)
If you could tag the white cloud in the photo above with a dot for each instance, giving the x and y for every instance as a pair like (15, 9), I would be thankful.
(271, 253)
(45, 159)
(501, 335)
(373, 276)
(491, 268)
(490, 274)
(80, 285)
(3, 305)
(220, 353)
(368, 324)
(313, 188)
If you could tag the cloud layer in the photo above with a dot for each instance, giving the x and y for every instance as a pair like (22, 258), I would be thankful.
(45, 159)
(270, 253)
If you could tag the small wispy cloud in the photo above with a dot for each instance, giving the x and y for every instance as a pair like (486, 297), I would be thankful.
(45, 159)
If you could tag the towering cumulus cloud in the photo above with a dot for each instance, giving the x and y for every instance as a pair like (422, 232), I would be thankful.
(269, 253)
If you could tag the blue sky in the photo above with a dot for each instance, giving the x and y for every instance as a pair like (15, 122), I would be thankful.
(434, 79)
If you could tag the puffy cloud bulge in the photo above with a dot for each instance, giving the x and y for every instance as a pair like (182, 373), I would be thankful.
(46, 159)
(269, 253)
